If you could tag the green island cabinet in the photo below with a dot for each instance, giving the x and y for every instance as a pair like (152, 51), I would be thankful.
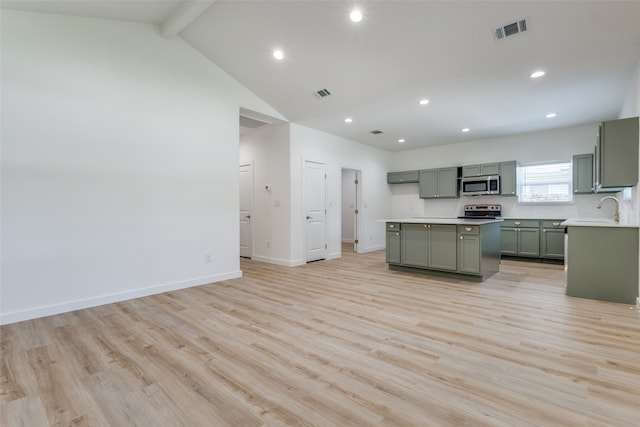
(469, 254)
(616, 158)
(429, 246)
(439, 183)
(602, 263)
(393, 242)
(403, 177)
(461, 250)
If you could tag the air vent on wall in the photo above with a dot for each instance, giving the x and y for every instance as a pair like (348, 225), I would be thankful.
(510, 29)
(376, 132)
(322, 93)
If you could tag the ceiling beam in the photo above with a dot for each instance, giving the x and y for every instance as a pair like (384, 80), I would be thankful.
(184, 15)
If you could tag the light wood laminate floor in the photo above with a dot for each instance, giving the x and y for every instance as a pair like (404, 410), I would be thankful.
(343, 342)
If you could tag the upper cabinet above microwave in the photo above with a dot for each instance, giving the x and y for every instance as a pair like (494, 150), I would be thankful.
(479, 170)
(616, 156)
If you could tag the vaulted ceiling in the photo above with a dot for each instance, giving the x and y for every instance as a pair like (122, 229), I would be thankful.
(377, 70)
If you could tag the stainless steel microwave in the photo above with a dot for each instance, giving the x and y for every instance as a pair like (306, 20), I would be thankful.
(480, 185)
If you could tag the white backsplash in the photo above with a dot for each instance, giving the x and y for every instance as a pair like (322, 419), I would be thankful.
(406, 204)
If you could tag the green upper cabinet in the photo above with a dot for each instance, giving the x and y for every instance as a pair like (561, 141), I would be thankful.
(616, 157)
(439, 183)
(583, 174)
(508, 186)
(478, 170)
(402, 177)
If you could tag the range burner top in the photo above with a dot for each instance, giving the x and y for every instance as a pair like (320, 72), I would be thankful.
(482, 211)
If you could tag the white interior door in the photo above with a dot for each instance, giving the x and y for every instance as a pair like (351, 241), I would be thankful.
(314, 210)
(246, 201)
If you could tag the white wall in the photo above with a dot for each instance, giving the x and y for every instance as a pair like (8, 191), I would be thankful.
(268, 148)
(119, 164)
(555, 145)
(337, 153)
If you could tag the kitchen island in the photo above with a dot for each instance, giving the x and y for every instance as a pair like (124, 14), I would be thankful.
(602, 260)
(465, 248)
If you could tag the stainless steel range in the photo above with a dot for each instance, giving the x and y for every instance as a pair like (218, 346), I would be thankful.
(485, 211)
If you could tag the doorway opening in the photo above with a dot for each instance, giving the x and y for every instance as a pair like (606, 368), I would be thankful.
(350, 209)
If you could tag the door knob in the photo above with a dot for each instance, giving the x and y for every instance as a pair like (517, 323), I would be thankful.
(308, 217)
(248, 216)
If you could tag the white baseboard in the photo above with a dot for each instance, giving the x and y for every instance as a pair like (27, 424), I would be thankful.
(278, 261)
(50, 310)
(373, 248)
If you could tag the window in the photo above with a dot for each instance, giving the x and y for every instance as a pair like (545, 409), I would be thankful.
(545, 183)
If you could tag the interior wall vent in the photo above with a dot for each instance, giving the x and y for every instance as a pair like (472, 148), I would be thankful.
(376, 132)
(322, 93)
(510, 29)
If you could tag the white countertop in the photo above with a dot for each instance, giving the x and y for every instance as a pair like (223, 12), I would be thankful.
(596, 222)
(441, 220)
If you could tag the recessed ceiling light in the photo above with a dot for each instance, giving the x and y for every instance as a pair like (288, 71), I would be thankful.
(278, 54)
(348, 120)
(423, 101)
(551, 115)
(537, 74)
(465, 130)
(401, 140)
(355, 16)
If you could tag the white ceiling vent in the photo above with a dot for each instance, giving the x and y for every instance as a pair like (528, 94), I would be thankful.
(510, 29)
(376, 132)
(323, 93)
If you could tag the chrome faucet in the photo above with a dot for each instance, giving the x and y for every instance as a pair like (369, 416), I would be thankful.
(616, 217)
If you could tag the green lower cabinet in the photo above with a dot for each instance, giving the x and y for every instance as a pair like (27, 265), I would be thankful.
(442, 246)
(529, 242)
(470, 251)
(415, 245)
(523, 242)
(469, 254)
(552, 243)
(602, 263)
(429, 246)
(533, 238)
(509, 240)
(393, 247)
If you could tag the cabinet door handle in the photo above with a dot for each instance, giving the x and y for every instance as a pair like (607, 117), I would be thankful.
(392, 226)
(397, 234)
(461, 238)
(468, 229)
(517, 223)
(555, 224)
